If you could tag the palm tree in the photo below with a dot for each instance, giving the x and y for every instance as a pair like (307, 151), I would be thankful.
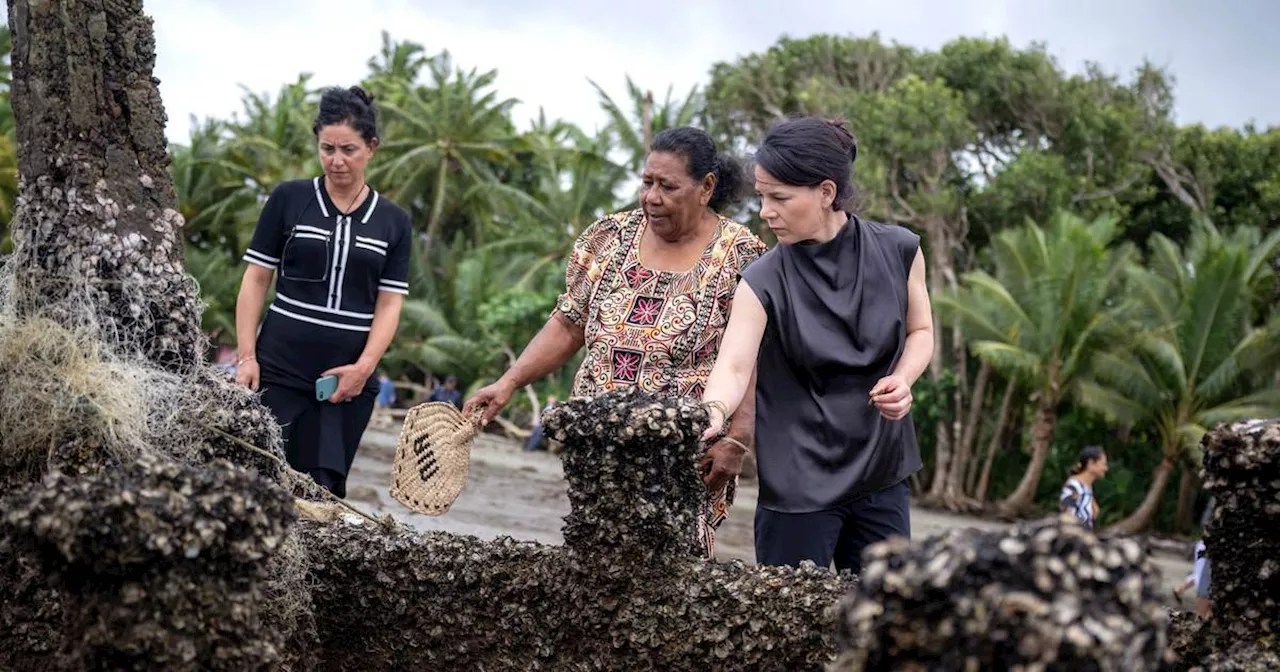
(567, 183)
(223, 176)
(1053, 303)
(444, 138)
(397, 62)
(636, 127)
(1197, 363)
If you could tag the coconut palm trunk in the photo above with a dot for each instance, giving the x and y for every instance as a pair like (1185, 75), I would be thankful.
(97, 236)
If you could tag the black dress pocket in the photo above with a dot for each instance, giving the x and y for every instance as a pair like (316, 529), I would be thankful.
(307, 255)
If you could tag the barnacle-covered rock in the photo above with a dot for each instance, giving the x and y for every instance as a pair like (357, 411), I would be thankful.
(157, 566)
(1048, 595)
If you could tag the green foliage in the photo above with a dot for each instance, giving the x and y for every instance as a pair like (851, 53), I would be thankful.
(969, 144)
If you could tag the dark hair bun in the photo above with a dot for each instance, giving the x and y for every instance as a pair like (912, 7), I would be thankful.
(699, 152)
(843, 126)
(364, 96)
(806, 151)
(352, 106)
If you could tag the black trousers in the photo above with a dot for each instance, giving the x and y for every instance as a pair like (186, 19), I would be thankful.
(839, 534)
(320, 438)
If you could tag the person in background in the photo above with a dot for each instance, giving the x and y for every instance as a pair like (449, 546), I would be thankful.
(448, 392)
(1204, 569)
(1193, 579)
(836, 320)
(338, 253)
(1077, 494)
(386, 391)
(647, 294)
(537, 437)
(227, 360)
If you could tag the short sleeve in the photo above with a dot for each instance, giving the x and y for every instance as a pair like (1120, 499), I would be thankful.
(746, 250)
(584, 269)
(761, 276)
(395, 275)
(908, 246)
(1068, 497)
(268, 237)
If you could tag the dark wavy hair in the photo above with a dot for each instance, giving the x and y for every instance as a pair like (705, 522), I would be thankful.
(806, 151)
(1087, 454)
(352, 106)
(702, 157)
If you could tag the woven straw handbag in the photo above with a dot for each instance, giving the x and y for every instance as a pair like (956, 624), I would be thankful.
(432, 457)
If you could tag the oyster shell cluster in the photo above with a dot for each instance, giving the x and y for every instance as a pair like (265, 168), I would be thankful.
(1242, 470)
(153, 565)
(1049, 595)
(627, 591)
(630, 462)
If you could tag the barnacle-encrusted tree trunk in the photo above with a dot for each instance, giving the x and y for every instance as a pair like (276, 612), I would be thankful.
(97, 236)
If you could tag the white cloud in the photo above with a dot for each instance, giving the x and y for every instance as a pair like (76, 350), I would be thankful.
(204, 53)
(544, 50)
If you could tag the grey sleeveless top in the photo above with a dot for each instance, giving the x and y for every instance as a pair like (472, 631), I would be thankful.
(837, 315)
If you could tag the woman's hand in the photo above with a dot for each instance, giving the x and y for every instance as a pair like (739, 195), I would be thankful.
(351, 380)
(247, 374)
(492, 398)
(721, 464)
(892, 395)
(715, 415)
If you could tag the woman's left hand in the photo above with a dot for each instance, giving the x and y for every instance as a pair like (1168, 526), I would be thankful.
(892, 396)
(351, 380)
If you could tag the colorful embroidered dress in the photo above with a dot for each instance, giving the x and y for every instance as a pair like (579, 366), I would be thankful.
(657, 330)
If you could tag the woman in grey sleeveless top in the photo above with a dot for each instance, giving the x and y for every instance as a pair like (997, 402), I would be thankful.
(837, 323)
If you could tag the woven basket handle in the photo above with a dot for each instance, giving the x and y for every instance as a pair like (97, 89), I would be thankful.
(476, 417)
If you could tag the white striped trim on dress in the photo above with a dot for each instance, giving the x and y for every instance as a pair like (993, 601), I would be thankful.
(312, 320)
(311, 236)
(320, 199)
(313, 229)
(368, 213)
(255, 257)
(395, 286)
(371, 248)
(372, 241)
(340, 258)
(323, 309)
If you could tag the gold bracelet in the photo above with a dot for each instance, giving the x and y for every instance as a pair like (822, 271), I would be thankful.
(242, 360)
(737, 443)
(724, 410)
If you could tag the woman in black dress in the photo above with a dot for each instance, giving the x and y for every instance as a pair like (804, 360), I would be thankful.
(339, 254)
(835, 321)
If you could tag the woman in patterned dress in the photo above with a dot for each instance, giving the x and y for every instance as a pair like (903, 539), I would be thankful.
(648, 294)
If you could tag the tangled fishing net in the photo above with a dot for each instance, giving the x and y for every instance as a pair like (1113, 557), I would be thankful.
(86, 397)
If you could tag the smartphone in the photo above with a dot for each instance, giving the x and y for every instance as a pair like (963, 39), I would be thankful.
(325, 387)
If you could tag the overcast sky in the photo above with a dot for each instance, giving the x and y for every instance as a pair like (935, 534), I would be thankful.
(1224, 54)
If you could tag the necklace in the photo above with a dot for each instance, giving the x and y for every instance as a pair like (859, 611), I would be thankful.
(347, 210)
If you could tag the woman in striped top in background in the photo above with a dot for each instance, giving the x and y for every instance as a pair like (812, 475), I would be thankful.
(1077, 494)
(338, 252)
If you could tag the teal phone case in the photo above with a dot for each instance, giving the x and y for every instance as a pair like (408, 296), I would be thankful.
(325, 387)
